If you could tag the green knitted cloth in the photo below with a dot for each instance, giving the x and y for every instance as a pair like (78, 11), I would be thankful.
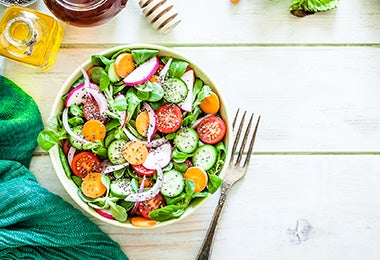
(35, 223)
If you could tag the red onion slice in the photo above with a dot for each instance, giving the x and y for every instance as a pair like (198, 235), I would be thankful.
(152, 192)
(70, 154)
(65, 123)
(152, 121)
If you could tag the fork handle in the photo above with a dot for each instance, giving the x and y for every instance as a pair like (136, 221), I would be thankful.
(205, 251)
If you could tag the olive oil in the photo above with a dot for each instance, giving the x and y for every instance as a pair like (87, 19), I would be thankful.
(30, 37)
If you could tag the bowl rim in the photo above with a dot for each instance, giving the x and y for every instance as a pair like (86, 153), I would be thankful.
(58, 105)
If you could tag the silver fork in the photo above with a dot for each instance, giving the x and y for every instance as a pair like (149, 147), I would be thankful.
(235, 172)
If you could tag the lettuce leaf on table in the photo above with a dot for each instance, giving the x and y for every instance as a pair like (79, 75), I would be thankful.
(301, 8)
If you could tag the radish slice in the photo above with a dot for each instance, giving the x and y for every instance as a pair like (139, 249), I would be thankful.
(160, 156)
(65, 123)
(164, 71)
(70, 154)
(146, 195)
(152, 121)
(188, 78)
(142, 73)
(79, 94)
(104, 212)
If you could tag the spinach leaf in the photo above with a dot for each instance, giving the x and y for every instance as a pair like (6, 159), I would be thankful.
(118, 212)
(100, 60)
(301, 8)
(177, 68)
(47, 138)
(133, 102)
(167, 212)
(214, 182)
(142, 55)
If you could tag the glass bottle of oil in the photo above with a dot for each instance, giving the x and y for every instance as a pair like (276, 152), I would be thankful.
(30, 37)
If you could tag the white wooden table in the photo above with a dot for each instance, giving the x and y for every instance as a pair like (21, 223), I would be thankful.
(316, 83)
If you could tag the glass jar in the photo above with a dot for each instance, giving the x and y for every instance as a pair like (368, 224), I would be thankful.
(85, 13)
(30, 37)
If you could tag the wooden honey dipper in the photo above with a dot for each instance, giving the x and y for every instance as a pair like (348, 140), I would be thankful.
(160, 13)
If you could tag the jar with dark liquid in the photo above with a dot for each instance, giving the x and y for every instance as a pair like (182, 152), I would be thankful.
(85, 13)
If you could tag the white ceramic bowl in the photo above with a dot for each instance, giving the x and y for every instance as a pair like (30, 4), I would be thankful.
(58, 106)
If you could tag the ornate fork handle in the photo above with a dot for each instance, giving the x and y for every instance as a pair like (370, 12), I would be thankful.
(204, 252)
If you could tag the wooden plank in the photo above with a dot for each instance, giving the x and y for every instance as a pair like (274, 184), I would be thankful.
(337, 195)
(311, 98)
(254, 21)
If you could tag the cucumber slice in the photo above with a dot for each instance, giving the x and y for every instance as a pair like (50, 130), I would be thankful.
(205, 157)
(76, 144)
(112, 73)
(173, 183)
(175, 90)
(120, 188)
(114, 151)
(186, 140)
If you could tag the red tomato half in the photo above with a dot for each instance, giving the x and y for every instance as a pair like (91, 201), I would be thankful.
(84, 163)
(211, 130)
(140, 169)
(91, 111)
(168, 118)
(145, 207)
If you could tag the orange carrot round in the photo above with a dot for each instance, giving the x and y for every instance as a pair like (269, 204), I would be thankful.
(94, 130)
(135, 152)
(92, 185)
(142, 222)
(154, 78)
(210, 104)
(142, 123)
(198, 176)
(124, 64)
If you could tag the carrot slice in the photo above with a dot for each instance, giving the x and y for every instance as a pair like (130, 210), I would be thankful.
(142, 222)
(142, 123)
(124, 64)
(198, 176)
(210, 104)
(94, 130)
(154, 78)
(135, 152)
(92, 185)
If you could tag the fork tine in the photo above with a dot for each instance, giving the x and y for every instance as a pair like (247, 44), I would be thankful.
(236, 141)
(235, 118)
(249, 153)
(244, 141)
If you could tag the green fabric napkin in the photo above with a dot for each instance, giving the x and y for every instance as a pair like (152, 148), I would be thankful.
(35, 223)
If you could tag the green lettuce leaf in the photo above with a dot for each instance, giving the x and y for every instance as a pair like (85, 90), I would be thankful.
(301, 8)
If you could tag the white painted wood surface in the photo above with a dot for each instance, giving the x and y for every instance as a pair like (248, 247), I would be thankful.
(314, 80)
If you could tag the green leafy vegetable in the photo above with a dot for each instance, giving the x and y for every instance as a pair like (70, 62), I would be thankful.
(142, 55)
(301, 8)
(177, 68)
(167, 212)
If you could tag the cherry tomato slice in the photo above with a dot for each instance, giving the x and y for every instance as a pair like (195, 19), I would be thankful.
(91, 111)
(168, 118)
(145, 207)
(141, 170)
(211, 130)
(84, 163)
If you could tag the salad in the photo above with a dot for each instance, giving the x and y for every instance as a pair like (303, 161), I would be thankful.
(140, 135)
